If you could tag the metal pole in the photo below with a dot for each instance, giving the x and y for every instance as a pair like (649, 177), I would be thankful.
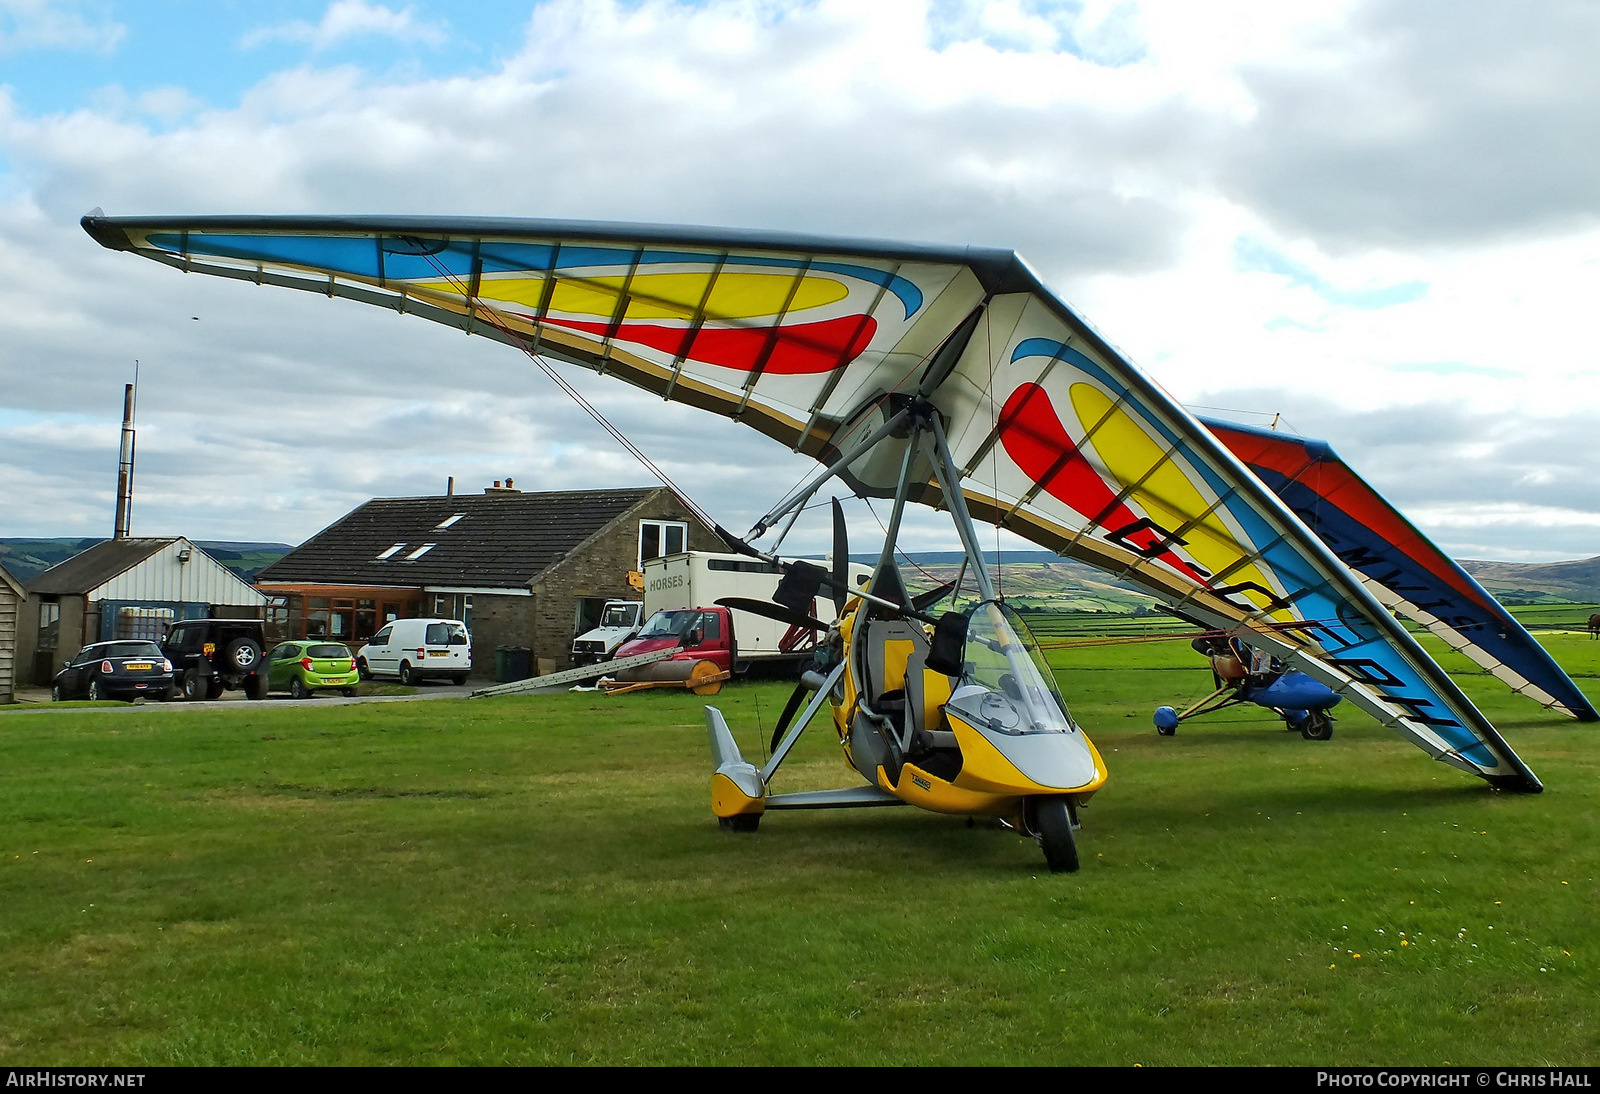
(944, 470)
(802, 494)
(125, 468)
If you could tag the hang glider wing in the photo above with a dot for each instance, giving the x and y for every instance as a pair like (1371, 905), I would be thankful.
(814, 342)
(1400, 565)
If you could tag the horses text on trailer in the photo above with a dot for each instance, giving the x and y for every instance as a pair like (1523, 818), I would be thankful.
(698, 579)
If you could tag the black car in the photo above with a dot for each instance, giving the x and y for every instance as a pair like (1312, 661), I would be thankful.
(210, 656)
(115, 670)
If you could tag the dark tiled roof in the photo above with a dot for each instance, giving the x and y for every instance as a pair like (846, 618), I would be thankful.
(94, 567)
(502, 541)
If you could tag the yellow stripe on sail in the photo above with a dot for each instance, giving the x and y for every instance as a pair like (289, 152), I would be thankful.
(660, 296)
(1166, 495)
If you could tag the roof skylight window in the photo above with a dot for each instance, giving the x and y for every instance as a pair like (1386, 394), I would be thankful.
(420, 551)
(390, 552)
(448, 522)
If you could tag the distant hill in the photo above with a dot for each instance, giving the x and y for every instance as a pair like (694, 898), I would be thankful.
(28, 558)
(1533, 582)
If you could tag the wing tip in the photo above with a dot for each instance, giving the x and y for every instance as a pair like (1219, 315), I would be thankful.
(103, 232)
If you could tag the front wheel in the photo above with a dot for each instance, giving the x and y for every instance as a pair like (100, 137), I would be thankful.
(740, 822)
(55, 693)
(1052, 827)
(362, 671)
(1318, 726)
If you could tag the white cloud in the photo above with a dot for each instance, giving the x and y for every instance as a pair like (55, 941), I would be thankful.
(346, 19)
(55, 24)
(1115, 169)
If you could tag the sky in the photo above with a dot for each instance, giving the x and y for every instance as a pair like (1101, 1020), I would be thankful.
(1375, 222)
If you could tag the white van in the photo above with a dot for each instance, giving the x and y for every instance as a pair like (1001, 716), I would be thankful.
(418, 649)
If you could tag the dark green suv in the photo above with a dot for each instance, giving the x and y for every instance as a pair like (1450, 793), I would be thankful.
(210, 656)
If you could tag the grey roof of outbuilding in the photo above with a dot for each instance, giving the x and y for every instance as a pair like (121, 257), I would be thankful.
(502, 541)
(99, 564)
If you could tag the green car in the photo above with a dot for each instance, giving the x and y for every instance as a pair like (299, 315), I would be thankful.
(306, 667)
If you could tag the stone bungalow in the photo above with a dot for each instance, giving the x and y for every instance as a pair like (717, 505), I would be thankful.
(519, 568)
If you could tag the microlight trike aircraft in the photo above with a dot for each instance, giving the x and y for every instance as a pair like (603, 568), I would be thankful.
(945, 376)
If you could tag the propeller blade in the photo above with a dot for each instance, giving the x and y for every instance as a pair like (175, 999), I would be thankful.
(923, 601)
(796, 697)
(770, 610)
(841, 560)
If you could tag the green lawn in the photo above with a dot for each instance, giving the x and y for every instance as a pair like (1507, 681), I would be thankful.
(540, 880)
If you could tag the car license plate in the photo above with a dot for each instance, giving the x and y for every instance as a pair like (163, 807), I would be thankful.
(138, 666)
(438, 653)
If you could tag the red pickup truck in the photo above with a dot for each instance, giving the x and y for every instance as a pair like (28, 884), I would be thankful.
(705, 634)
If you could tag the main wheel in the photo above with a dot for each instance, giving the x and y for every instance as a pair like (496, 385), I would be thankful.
(741, 822)
(194, 686)
(1318, 726)
(214, 688)
(459, 679)
(1052, 827)
(255, 687)
(55, 693)
(408, 675)
(298, 690)
(348, 693)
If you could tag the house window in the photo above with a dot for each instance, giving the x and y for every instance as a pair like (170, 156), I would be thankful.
(658, 538)
(49, 625)
(419, 552)
(389, 553)
(448, 521)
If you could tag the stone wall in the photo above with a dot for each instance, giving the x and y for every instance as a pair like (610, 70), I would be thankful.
(599, 568)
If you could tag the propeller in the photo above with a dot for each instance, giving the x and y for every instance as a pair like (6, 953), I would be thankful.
(796, 697)
(841, 560)
(772, 611)
(923, 601)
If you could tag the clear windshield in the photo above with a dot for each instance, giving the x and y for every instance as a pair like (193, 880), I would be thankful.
(1007, 686)
(670, 624)
(620, 615)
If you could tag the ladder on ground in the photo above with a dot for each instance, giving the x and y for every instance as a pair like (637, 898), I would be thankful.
(567, 677)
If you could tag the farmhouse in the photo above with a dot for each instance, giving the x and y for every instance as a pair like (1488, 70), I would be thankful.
(519, 568)
(12, 599)
(128, 587)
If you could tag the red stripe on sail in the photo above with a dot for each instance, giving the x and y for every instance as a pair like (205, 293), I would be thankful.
(798, 349)
(1036, 441)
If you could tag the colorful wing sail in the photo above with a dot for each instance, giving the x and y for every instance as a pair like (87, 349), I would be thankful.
(811, 341)
(1402, 567)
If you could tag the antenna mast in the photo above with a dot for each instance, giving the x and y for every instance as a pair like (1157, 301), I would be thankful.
(125, 459)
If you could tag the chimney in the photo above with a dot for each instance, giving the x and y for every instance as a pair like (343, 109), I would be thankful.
(125, 468)
(508, 488)
(450, 487)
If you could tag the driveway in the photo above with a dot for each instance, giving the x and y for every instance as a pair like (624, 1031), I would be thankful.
(39, 698)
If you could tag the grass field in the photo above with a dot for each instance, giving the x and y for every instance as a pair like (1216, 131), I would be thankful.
(539, 880)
